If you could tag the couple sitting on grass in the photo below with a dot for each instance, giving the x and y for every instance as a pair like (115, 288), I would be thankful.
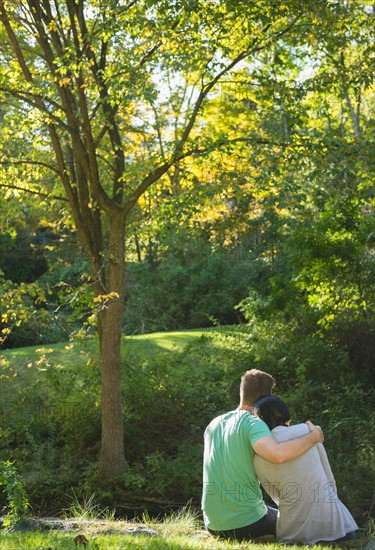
(290, 462)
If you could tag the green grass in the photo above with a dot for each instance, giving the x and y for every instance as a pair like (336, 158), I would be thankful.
(111, 538)
(17, 366)
(80, 350)
(181, 531)
(162, 341)
(85, 527)
(82, 347)
(63, 541)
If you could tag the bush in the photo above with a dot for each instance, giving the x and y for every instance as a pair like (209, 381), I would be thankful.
(197, 290)
(50, 421)
(20, 260)
(17, 504)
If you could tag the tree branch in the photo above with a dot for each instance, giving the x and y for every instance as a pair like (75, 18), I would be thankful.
(178, 153)
(225, 142)
(112, 127)
(254, 47)
(31, 162)
(35, 100)
(163, 169)
(145, 184)
(33, 192)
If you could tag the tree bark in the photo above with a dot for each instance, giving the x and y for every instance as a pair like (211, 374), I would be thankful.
(111, 308)
(112, 457)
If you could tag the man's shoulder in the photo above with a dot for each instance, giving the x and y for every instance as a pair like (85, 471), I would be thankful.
(238, 418)
(223, 417)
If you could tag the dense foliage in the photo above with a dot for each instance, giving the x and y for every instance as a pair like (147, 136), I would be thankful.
(17, 504)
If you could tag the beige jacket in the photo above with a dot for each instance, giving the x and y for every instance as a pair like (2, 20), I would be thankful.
(305, 491)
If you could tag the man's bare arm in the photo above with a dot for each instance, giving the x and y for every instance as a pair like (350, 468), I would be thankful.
(268, 448)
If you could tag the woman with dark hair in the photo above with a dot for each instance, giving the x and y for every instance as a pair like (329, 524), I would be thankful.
(304, 489)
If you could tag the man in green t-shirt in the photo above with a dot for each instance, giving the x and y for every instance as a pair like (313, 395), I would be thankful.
(232, 501)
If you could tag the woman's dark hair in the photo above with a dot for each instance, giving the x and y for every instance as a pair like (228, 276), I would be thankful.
(272, 410)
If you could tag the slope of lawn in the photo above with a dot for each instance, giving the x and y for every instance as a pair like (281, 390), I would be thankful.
(80, 349)
(16, 365)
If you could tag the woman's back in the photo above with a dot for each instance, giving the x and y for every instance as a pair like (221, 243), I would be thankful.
(305, 491)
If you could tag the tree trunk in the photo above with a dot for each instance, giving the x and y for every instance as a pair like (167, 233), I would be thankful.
(112, 457)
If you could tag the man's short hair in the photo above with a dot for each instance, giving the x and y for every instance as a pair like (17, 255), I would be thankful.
(255, 384)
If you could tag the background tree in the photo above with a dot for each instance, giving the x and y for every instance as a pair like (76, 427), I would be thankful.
(86, 77)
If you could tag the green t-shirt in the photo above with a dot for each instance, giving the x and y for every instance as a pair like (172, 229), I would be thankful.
(232, 497)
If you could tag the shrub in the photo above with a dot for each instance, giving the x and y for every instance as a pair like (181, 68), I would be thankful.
(193, 291)
(17, 504)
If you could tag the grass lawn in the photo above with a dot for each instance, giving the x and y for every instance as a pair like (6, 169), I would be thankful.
(17, 366)
(80, 350)
(174, 533)
(162, 341)
(66, 541)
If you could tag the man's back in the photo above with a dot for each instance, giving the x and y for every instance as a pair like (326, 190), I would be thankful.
(231, 492)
